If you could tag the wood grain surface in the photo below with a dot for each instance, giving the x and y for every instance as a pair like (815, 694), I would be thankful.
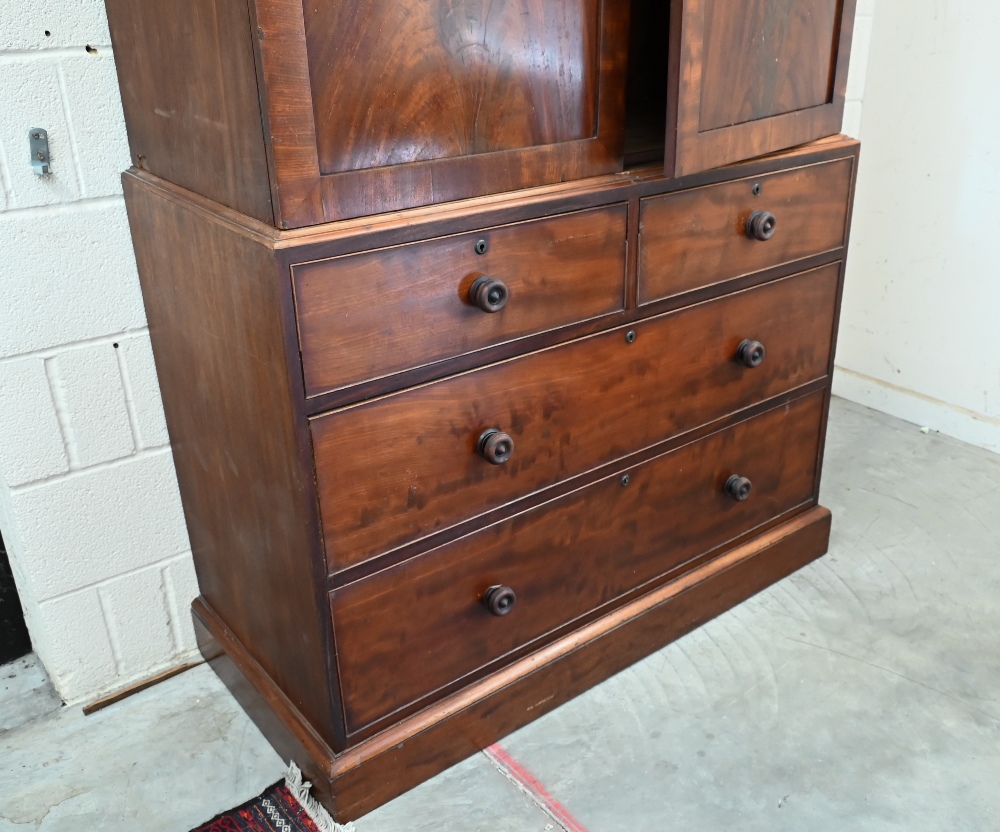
(366, 315)
(214, 307)
(390, 762)
(749, 77)
(697, 238)
(405, 466)
(189, 92)
(764, 58)
(398, 81)
(422, 627)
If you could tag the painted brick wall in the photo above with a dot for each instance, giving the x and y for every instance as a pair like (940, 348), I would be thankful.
(88, 497)
(88, 501)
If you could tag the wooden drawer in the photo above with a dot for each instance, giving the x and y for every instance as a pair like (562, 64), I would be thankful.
(696, 238)
(363, 316)
(399, 468)
(421, 626)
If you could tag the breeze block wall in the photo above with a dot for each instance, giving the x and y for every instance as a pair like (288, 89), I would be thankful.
(89, 506)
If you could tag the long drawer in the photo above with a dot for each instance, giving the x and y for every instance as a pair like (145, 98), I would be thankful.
(400, 468)
(420, 626)
(708, 235)
(363, 316)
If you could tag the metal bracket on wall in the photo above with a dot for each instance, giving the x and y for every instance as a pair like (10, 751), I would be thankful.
(39, 142)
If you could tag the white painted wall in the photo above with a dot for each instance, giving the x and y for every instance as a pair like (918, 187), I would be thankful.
(89, 507)
(920, 330)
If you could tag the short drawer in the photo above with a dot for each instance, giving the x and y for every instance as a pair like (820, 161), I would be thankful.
(400, 468)
(424, 625)
(363, 316)
(697, 238)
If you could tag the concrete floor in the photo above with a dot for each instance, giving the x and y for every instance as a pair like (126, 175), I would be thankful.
(25, 693)
(862, 693)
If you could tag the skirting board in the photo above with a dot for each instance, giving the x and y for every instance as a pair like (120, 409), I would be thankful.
(951, 420)
(366, 776)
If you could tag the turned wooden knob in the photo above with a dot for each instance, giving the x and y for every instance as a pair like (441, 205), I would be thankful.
(495, 446)
(761, 226)
(751, 353)
(738, 488)
(499, 599)
(489, 293)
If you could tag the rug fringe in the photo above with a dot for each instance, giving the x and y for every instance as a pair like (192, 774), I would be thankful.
(317, 814)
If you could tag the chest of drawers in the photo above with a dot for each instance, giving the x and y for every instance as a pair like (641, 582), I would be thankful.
(495, 349)
(447, 468)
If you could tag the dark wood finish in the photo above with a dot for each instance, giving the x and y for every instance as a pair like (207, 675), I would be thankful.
(396, 82)
(495, 446)
(363, 316)
(499, 600)
(322, 242)
(230, 397)
(221, 289)
(430, 741)
(612, 537)
(299, 114)
(189, 90)
(367, 568)
(502, 80)
(405, 466)
(249, 101)
(749, 77)
(699, 237)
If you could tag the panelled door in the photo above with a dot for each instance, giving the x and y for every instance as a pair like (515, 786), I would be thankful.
(750, 77)
(388, 104)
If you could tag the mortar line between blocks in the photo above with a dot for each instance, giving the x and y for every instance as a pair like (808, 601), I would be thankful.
(129, 397)
(77, 473)
(116, 648)
(532, 788)
(170, 593)
(48, 53)
(52, 375)
(6, 183)
(91, 203)
(162, 563)
(68, 116)
(97, 340)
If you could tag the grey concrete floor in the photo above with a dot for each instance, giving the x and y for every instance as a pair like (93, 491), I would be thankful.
(25, 693)
(862, 693)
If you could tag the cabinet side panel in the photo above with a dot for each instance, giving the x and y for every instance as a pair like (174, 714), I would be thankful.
(214, 303)
(189, 90)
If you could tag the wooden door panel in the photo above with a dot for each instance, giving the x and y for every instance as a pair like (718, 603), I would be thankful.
(754, 76)
(399, 81)
(394, 104)
(766, 57)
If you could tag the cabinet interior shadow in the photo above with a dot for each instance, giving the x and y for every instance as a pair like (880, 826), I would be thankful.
(646, 88)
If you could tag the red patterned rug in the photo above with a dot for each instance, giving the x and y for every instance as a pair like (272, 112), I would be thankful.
(275, 809)
(285, 807)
